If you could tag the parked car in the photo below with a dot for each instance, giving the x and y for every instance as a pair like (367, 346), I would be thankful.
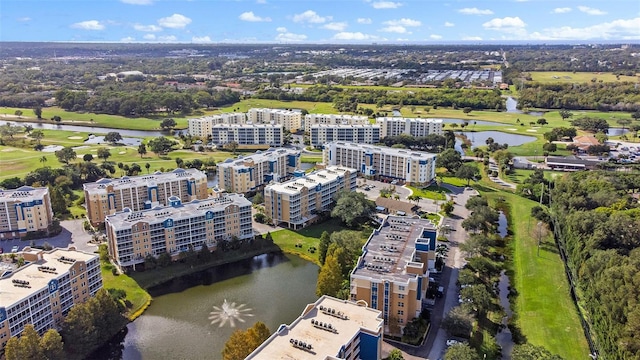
(440, 291)
(14, 249)
(452, 342)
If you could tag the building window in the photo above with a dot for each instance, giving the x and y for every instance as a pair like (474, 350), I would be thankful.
(401, 288)
(400, 296)
(400, 304)
(400, 312)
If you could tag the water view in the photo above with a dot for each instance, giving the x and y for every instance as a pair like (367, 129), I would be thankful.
(479, 138)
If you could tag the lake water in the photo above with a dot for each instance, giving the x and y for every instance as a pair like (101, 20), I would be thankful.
(504, 338)
(512, 107)
(274, 288)
(479, 138)
(87, 129)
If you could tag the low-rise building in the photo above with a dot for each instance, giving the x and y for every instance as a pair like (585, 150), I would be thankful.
(290, 120)
(392, 273)
(43, 291)
(297, 201)
(178, 227)
(24, 210)
(248, 135)
(361, 134)
(107, 196)
(394, 126)
(251, 172)
(329, 329)
(333, 119)
(384, 163)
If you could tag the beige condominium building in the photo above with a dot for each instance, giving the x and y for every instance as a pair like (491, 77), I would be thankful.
(329, 329)
(107, 196)
(290, 120)
(23, 210)
(392, 273)
(333, 119)
(394, 126)
(297, 201)
(249, 173)
(44, 290)
(178, 227)
(384, 163)
(202, 127)
(361, 134)
(248, 135)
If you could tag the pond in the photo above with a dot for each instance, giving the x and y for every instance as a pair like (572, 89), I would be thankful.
(479, 138)
(87, 129)
(93, 139)
(272, 288)
(504, 338)
(512, 107)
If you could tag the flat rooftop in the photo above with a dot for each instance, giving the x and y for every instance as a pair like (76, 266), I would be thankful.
(336, 116)
(247, 125)
(392, 247)
(383, 149)
(38, 280)
(427, 120)
(311, 180)
(324, 342)
(23, 194)
(152, 179)
(258, 157)
(345, 126)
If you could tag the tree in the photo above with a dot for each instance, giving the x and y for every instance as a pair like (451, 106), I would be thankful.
(231, 146)
(624, 123)
(52, 346)
(636, 115)
(25, 347)
(532, 352)
(161, 145)
(37, 135)
(113, 137)
(447, 207)
(479, 296)
(142, 150)
(330, 276)
(476, 245)
(258, 199)
(461, 352)
(104, 154)
(18, 113)
(87, 157)
(323, 246)
(58, 203)
(550, 147)
(147, 166)
(43, 159)
(414, 197)
(352, 206)
(565, 114)
(168, 123)
(37, 111)
(242, 343)
(56, 118)
(395, 354)
(467, 172)
(449, 159)
(458, 322)
(65, 155)
(542, 122)
(257, 334)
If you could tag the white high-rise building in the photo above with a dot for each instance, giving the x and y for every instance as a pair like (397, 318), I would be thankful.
(249, 134)
(362, 134)
(333, 119)
(202, 127)
(394, 126)
(290, 120)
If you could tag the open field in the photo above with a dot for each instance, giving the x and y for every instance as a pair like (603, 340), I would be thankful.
(520, 175)
(309, 237)
(578, 77)
(432, 192)
(138, 297)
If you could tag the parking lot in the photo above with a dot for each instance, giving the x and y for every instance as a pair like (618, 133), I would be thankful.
(73, 234)
(375, 186)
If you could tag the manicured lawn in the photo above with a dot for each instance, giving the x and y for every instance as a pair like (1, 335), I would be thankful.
(19, 162)
(452, 180)
(310, 159)
(432, 192)
(309, 237)
(583, 77)
(138, 296)
(520, 175)
(545, 311)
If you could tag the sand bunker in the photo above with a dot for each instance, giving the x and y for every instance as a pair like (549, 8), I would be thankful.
(75, 138)
(512, 129)
(532, 130)
(122, 152)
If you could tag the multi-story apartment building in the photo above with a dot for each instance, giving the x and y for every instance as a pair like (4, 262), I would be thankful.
(202, 127)
(107, 196)
(297, 201)
(329, 329)
(248, 135)
(333, 119)
(394, 126)
(290, 120)
(44, 290)
(175, 228)
(24, 210)
(361, 134)
(413, 167)
(249, 173)
(392, 273)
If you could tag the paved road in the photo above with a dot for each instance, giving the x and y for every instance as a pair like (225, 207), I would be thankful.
(72, 234)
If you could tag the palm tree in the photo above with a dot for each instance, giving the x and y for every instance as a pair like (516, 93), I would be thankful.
(147, 165)
(479, 153)
(43, 159)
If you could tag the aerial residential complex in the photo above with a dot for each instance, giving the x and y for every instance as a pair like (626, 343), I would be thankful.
(249, 173)
(107, 196)
(178, 227)
(290, 120)
(296, 202)
(24, 210)
(248, 135)
(413, 167)
(202, 127)
(44, 290)
(327, 329)
(362, 134)
(394, 126)
(333, 119)
(392, 273)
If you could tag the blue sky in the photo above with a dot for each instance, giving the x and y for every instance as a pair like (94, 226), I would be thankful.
(319, 21)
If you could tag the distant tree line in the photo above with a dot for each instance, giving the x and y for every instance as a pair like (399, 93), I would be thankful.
(586, 96)
(431, 142)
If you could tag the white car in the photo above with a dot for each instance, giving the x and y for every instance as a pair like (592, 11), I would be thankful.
(452, 342)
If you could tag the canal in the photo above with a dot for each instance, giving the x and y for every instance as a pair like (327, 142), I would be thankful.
(186, 319)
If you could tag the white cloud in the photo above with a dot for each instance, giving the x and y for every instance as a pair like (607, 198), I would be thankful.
(403, 22)
(358, 36)
(435, 36)
(147, 28)
(386, 5)
(561, 10)
(24, 19)
(505, 24)
(310, 16)
(475, 11)
(398, 29)
(591, 11)
(201, 39)
(149, 37)
(175, 21)
(137, 2)
(88, 25)
(251, 17)
(281, 29)
(127, 39)
(170, 38)
(627, 29)
(364, 21)
(472, 38)
(336, 26)
(290, 37)
(449, 24)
